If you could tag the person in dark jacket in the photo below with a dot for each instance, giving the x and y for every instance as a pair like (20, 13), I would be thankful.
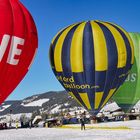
(82, 121)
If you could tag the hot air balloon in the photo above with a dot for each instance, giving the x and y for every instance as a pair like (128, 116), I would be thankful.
(91, 60)
(129, 94)
(18, 44)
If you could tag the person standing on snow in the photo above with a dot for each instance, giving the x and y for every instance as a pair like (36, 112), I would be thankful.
(82, 121)
(16, 125)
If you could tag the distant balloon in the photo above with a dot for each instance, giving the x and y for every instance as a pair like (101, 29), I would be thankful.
(18, 44)
(91, 60)
(129, 94)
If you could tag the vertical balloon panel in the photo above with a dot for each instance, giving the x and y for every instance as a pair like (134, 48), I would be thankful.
(129, 94)
(18, 44)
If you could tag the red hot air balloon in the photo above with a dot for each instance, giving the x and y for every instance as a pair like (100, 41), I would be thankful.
(18, 44)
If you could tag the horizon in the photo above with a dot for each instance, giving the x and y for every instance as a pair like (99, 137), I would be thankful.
(34, 95)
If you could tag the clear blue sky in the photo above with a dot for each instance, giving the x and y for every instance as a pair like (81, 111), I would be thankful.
(52, 15)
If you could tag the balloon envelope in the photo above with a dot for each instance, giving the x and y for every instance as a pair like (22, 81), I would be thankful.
(129, 94)
(18, 44)
(91, 60)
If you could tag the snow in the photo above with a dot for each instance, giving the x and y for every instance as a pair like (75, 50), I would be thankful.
(66, 104)
(30, 99)
(4, 107)
(8, 117)
(36, 103)
(37, 118)
(106, 109)
(56, 109)
(17, 116)
(137, 105)
(110, 107)
(76, 134)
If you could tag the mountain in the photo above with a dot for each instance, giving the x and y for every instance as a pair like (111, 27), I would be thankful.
(53, 102)
(50, 101)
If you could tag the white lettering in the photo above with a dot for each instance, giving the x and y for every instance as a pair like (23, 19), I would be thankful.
(127, 79)
(3, 45)
(131, 77)
(13, 51)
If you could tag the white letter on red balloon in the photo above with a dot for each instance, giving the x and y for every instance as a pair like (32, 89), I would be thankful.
(14, 50)
(3, 45)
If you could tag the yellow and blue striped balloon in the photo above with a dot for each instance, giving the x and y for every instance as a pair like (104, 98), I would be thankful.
(91, 60)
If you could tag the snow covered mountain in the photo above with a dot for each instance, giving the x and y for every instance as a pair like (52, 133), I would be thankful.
(50, 101)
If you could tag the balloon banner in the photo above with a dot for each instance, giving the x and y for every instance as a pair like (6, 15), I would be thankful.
(91, 60)
(18, 44)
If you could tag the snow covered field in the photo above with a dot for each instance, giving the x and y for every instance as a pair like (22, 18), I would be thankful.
(76, 134)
